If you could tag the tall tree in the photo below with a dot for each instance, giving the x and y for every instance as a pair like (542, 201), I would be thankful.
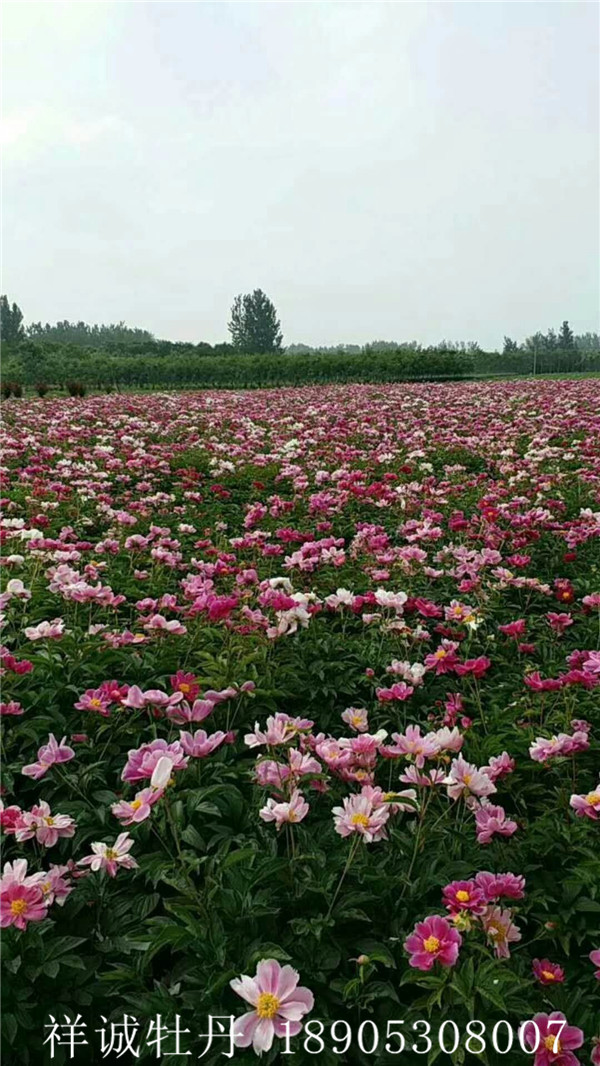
(11, 321)
(254, 325)
(566, 340)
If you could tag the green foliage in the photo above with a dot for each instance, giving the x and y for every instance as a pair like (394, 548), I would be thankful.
(254, 326)
(11, 322)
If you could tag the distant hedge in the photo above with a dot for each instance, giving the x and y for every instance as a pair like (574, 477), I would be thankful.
(33, 363)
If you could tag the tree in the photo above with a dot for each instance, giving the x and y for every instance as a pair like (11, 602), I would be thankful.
(254, 326)
(509, 346)
(566, 340)
(11, 321)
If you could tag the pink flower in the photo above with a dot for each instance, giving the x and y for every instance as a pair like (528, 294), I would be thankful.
(591, 664)
(53, 752)
(547, 973)
(595, 959)
(465, 778)
(561, 745)
(399, 691)
(514, 629)
(141, 762)
(110, 857)
(21, 903)
(444, 659)
(464, 896)
(559, 622)
(278, 1005)
(158, 623)
(537, 683)
(587, 806)
(137, 810)
(499, 766)
(412, 744)
(500, 929)
(46, 630)
(489, 820)
(360, 815)
(44, 826)
(543, 748)
(494, 886)
(295, 810)
(357, 718)
(476, 667)
(55, 886)
(153, 697)
(13, 707)
(200, 744)
(10, 818)
(278, 729)
(557, 1040)
(94, 700)
(433, 940)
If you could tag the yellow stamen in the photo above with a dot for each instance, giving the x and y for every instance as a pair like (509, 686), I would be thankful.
(552, 1043)
(360, 819)
(462, 896)
(548, 975)
(267, 1005)
(18, 907)
(431, 945)
(135, 805)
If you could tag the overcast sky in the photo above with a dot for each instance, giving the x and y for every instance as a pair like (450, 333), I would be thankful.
(382, 170)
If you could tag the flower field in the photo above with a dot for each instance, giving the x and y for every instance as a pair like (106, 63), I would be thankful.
(301, 720)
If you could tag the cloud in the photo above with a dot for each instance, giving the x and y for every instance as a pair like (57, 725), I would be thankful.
(35, 130)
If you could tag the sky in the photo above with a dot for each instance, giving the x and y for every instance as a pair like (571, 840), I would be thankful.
(390, 171)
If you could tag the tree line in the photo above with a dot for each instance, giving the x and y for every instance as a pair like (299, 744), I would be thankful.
(115, 355)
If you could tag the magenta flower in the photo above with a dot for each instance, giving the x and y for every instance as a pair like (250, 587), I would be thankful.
(399, 692)
(13, 707)
(464, 896)
(278, 1005)
(595, 959)
(433, 940)
(494, 886)
(21, 903)
(547, 973)
(53, 752)
(556, 1042)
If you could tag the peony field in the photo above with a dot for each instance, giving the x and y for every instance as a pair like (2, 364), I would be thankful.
(301, 725)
